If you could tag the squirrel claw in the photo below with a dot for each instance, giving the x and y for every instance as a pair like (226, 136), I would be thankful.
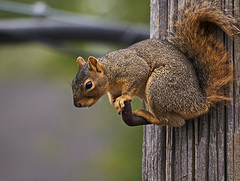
(120, 112)
(119, 104)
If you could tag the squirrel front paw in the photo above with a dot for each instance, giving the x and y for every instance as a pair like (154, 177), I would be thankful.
(119, 103)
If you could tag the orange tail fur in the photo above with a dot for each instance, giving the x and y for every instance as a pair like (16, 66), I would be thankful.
(195, 36)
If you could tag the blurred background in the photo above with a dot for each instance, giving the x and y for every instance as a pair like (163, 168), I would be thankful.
(42, 135)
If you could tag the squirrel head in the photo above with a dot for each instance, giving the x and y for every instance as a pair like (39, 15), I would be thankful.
(90, 83)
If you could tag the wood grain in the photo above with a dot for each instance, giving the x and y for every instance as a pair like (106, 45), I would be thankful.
(206, 148)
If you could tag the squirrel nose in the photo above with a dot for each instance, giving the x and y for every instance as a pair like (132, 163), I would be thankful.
(77, 104)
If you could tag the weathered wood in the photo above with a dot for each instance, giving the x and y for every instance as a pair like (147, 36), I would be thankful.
(206, 148)
(237, 99)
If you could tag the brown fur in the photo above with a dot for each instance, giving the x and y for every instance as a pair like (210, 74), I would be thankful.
(195, 35)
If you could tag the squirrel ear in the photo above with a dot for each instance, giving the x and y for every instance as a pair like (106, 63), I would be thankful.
(95, 65)
(80, 62)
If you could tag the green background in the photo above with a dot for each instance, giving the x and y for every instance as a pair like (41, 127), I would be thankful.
(42, 135)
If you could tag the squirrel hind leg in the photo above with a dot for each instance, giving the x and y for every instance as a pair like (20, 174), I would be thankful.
(163, 121)
(169, 95)
(172, 119)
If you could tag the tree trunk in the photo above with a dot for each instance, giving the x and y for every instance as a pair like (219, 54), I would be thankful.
(206, 148)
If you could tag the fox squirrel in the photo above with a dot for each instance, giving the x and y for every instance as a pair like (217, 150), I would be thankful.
(180, 78)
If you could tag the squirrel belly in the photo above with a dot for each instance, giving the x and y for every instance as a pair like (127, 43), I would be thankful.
(180, 78)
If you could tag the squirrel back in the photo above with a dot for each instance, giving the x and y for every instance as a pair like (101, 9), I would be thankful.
(195, 35)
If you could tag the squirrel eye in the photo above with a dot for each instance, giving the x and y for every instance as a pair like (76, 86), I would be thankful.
(88, 85)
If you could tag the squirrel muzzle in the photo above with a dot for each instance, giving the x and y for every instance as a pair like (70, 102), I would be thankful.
(84, 102)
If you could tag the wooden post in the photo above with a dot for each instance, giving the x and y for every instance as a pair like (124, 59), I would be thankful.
(207, 148)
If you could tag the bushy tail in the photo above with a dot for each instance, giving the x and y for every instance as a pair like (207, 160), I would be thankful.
(195, 36)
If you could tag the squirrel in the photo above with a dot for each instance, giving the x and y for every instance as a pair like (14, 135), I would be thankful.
(179, 78)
